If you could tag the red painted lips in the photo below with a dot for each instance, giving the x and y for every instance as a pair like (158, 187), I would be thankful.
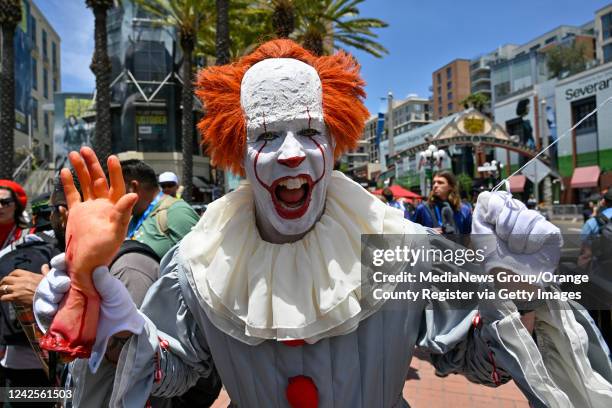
(291, 195)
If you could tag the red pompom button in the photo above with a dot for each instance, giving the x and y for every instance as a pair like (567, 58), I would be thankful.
(294, 343)
(302, 392)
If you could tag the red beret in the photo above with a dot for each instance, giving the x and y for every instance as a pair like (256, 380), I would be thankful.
(17, 189)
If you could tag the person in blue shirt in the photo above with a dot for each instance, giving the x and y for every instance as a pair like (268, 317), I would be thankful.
(591, 226)
(444, 192)
(391, 201)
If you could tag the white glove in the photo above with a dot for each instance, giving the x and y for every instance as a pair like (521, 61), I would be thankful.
(50, 292)
(117, 309)
(513, 237)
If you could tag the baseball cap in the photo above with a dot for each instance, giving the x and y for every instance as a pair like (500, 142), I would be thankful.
(17, 189)
(168, 177)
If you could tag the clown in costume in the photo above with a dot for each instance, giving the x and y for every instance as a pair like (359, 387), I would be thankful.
(268, 282)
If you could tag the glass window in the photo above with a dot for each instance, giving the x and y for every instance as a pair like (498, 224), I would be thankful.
(607, 53)
(53, 56)
(46, 122)
(45, 83)
(33, 32)
(35, 113)
(44, 45)
(34, 74)
(449, 96)
(606, 25)
(549, 40)
(150, 61)
(54, 85)
(450, 106)
(582, 108)
(521, 75)
(500, 79)
(449, 85)
(439, 77)
(449, 72)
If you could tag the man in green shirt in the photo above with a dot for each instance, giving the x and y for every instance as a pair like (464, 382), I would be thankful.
(158, 220)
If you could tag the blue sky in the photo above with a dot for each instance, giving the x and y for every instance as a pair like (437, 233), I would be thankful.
(422, 36)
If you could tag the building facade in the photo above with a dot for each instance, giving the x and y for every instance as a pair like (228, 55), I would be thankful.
(37, 78)
(590, 144)
(145, 94)
(480, 71)
(527, 64)
(451, 84)
(603, 29)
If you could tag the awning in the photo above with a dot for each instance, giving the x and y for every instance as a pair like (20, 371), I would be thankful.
(517, 183)
(201, 184)
(585, 177)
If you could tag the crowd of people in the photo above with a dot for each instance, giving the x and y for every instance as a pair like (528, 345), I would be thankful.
(444, 210)
(155, 306)
(159, 221)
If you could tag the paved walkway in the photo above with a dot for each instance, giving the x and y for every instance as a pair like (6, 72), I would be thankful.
(423, 389)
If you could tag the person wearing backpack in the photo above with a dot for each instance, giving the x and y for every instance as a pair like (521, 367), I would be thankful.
(158, 220)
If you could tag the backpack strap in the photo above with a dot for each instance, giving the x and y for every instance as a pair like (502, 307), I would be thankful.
(161, 213)
(434, 219)
(131, 245)
(601, 220)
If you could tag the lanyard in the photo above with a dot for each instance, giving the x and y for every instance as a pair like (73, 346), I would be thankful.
(133, 228)
(438, 215)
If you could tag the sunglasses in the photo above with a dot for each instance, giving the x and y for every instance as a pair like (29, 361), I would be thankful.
(167, 185)
(5, 202)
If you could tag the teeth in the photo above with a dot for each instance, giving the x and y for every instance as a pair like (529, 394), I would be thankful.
(293, 183)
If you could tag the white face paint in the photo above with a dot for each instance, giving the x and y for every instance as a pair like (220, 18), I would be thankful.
(289, 155)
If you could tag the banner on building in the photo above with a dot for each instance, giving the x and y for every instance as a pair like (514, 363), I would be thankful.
(73, 125)
(23, 70)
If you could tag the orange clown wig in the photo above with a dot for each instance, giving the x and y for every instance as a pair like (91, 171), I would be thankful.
(224, 125)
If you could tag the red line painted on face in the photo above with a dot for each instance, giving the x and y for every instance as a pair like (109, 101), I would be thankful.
(322, 153)
(267, 187)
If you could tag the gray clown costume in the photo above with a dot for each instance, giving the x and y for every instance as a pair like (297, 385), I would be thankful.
(361, 363)
(290, 325)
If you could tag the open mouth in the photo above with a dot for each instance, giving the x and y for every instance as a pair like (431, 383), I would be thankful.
(291, 195)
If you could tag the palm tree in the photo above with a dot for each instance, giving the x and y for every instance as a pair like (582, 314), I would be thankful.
(326, 24)
(10, 16)
(101, 67)
(248, 26)
(478, 101)
(283, 17)
(186, 16)
(223, 32)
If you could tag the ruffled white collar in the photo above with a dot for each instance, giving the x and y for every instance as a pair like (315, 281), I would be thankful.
(310, 289)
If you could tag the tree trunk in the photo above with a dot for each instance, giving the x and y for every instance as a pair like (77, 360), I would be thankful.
(223, 36)
(223, 57)
(101, 67)
(187, 45)
(7, 103)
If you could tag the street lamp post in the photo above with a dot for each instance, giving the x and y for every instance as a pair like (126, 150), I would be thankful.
(433, 157)
(494, 169)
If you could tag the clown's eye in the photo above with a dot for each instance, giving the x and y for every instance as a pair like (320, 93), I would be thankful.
(267, 136)
(310, 132)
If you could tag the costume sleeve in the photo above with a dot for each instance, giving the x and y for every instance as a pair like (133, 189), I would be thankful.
(485, 341)
(172, 347)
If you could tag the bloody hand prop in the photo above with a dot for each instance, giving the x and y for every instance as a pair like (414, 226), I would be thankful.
(96, 227)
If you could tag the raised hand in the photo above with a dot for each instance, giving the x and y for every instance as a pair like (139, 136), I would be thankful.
(513, 237)
(97, 225)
